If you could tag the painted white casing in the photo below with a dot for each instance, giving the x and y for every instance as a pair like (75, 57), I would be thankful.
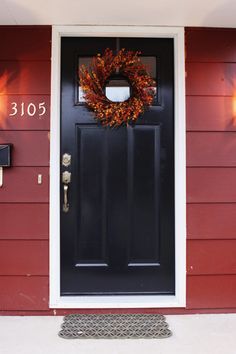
(185, 13)
(119, 301)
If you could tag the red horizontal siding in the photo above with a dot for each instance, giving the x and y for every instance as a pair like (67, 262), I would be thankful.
(25, 77)
(25, 122)
(23, 257)
(211, 149)
(211, 113)
(211, 221)
(29, 148)
(211, 45)
(23, 293)
(211, 76)
(211, 185)
(211, 79)
(25, 43)
(211, 257)
(25, 65)
(211, 291)
(31, 293)
(21, 185)
(24, 221)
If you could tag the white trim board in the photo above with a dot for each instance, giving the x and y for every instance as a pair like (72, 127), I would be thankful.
(124, 301)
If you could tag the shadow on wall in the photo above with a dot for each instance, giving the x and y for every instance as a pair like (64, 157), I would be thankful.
(22, 12)
(108, 13)
(221, 15)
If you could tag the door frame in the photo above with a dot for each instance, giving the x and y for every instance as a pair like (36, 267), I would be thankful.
(119, 301)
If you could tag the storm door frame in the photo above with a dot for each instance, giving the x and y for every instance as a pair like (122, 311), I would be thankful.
(119, 301)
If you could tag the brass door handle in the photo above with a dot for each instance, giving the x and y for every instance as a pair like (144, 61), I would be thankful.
(66, 178)
(65, 204)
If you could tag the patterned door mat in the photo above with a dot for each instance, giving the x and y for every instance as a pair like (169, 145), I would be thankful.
(113, 326)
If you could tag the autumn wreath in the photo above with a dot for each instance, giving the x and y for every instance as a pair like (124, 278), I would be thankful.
(93, 80)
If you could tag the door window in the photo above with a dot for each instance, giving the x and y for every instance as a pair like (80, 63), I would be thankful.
(119, 90)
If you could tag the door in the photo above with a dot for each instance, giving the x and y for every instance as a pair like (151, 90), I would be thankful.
(118, 235)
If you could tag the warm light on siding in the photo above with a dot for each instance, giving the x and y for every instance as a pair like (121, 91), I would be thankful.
(3, 100)
(234, 109)
(3, 82)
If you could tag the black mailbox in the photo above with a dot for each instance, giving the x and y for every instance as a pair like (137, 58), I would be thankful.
(5, 155)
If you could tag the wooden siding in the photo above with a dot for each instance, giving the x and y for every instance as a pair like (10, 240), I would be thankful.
(20, 257)
(211, 173)
(27, 123)
(25, 43)
(210, 113)
(211, 185)
(211, 221)
(211, 168)
(24, 221)
(31, 148)
(210, 45)
(211, 292)
(210, 79)
(209, 149)
(21, 185)
(25, 78)
(23, 293)
(211, 257)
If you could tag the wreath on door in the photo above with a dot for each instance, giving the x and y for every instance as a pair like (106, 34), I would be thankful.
(93, 80)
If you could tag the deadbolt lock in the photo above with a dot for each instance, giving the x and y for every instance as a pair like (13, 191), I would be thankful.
(66, 177)
(66, 160)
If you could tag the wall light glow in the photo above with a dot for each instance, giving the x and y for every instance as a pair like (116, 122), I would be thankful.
(4, 79)
(3, 82)
(234, 109)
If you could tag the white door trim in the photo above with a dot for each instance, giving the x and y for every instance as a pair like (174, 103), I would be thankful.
(136, 301)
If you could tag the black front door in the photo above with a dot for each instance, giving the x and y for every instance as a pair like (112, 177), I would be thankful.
(118, 235)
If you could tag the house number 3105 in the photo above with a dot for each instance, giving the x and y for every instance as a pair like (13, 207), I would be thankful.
(29, 109)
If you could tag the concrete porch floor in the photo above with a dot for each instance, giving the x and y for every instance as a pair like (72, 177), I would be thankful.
(192, 334)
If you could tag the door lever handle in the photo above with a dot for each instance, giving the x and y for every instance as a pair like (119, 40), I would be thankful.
(65, 204)
(66, 178)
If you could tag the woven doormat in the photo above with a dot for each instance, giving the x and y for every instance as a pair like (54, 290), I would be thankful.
(114, 326)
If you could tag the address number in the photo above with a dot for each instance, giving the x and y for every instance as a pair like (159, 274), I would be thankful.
(29, 109)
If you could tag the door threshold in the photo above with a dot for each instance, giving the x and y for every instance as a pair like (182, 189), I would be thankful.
(116, 301)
